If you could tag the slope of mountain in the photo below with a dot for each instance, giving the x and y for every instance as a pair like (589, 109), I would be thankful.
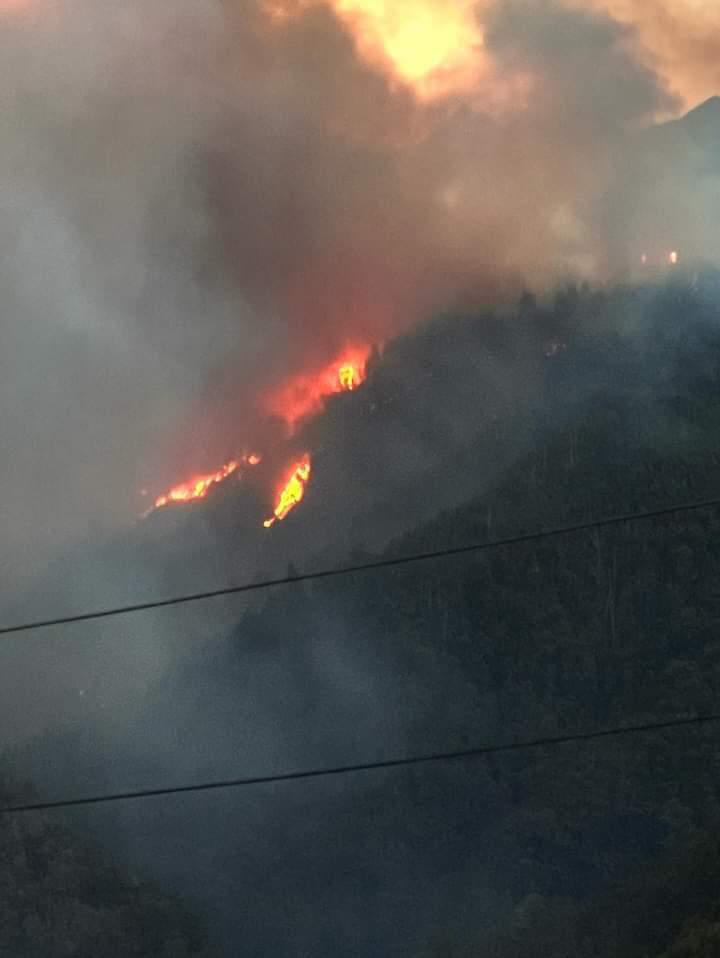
(379, 454)
(63, 897)
(700, 127)
(545, 853)
(666, 198)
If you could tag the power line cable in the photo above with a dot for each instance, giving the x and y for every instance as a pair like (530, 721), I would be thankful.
(388, 764)
(373, 566)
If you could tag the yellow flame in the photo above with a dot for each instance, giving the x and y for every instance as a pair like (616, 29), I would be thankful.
(198, 486)
(348, 377)
(292, 492)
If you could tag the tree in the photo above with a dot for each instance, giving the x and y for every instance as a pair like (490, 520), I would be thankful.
(61, 897)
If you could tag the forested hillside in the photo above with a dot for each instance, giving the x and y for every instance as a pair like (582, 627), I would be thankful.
(600, 849)
(62, 897)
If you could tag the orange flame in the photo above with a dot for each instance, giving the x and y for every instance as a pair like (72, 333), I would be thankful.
(198, 486)
(303, 396)
(292, 491)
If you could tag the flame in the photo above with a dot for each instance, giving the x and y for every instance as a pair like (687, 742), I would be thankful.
(349, 377)
(674, 258)
(303, 396)
(292, 491)
(198, 486)
(299, 398)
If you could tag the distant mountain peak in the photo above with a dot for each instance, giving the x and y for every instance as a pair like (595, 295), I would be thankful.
(704, 120)
(700, 127)
(710, 106)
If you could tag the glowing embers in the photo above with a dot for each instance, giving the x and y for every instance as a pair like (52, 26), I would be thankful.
(659, 260)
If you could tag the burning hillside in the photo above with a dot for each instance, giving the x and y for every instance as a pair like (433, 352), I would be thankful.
(303, 395)
(281, 175)
(198, 486)
(298, 400)
(291, 491)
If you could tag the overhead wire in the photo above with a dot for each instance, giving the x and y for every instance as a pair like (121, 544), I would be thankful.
(388, 764)
(482, 751)
(372, 566)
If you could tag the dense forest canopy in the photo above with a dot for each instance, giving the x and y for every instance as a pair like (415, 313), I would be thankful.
(63, 897)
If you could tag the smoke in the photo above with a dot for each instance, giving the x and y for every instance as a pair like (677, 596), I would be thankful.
(200, 198)
(437, 44)
(679, 39)
(351, 205)
(108, 255)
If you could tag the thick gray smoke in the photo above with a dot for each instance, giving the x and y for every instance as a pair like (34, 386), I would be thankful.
(113, 301)
(198, 198)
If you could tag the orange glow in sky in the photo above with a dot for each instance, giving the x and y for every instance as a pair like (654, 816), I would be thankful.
(432, 43)
(678, 38)
(13, 6)
(437, 45)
